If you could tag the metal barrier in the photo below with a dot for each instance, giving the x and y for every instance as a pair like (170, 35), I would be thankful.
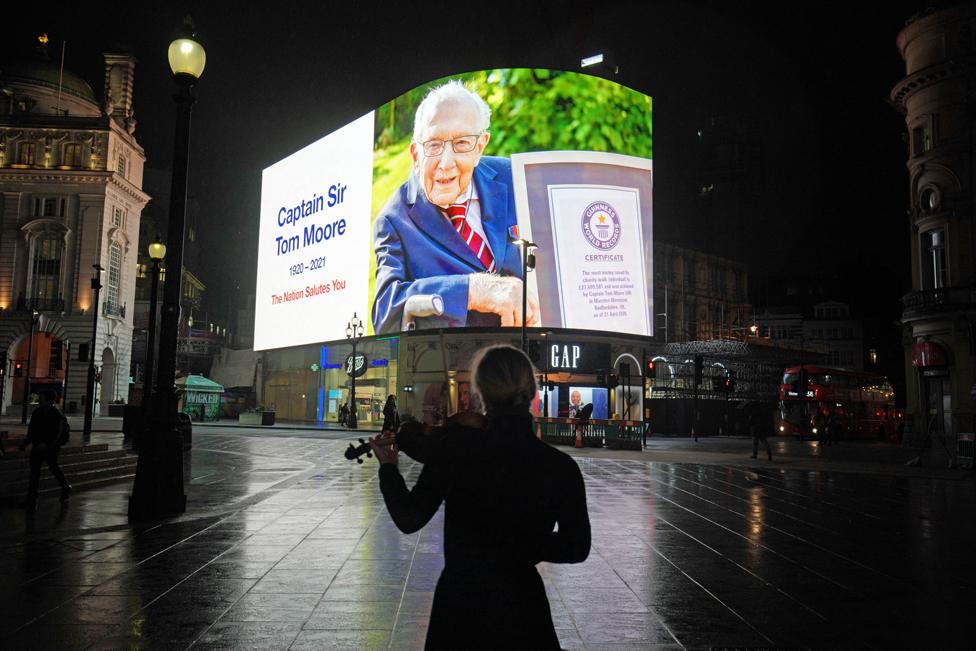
(595, 433)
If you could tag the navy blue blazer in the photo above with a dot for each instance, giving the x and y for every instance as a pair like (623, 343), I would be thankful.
(419, 252)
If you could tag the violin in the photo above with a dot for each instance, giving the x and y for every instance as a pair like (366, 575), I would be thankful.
(415, 438)
(357, 451)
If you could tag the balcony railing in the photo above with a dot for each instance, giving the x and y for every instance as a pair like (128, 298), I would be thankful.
(110, 309)
(934, 299)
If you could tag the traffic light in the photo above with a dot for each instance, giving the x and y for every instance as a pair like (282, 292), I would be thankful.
(729, 383)
(804, 383)
(18, 369)
(3, 359)
(651, 369)
(699, 369)
(83, 352)
(98, 377)
(612, 380)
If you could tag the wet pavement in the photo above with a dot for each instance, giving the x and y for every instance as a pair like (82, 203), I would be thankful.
(287, 545)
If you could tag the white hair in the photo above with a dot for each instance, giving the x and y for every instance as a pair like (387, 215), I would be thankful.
(451, 91)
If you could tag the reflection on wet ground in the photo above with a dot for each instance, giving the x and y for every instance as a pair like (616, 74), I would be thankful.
(286, 545)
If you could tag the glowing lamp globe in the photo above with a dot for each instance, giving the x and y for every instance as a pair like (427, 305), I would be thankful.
(187, 57)
(157, 251)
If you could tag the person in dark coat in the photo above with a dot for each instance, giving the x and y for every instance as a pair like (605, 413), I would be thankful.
(343, 414)
(757, 428)
(391, 419)
(44, 432)
(504, 493)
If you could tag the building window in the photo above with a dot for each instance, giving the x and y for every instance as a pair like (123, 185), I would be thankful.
(121, 167)
(921, 139)
(117, 217)
(50, 207)
(25, 153)
(46, 270)
(114, 276)
(935, 271)
(72, 155)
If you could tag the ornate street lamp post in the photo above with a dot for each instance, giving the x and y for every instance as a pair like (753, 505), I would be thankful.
(30, 360)
(528, 262)
(354, 331)
(157, 251)
(96, 285)
(158, 487)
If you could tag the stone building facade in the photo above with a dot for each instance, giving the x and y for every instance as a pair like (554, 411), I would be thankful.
(699, 296)
(70, 198)
(937, 99)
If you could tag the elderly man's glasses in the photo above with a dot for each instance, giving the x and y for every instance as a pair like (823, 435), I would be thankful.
(460, 145)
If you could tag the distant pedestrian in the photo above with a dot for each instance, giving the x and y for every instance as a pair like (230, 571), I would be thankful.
(47, 432)
(391, 419)
(343, 414)
(829, 427)
(757, 428)
(510, 502)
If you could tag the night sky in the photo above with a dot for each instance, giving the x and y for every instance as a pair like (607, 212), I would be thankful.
(812, 78)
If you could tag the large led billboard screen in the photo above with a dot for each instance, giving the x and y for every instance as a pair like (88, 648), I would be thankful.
(416, 214)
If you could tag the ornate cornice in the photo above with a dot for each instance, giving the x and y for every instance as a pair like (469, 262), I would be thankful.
(926, 77)
(100, 177)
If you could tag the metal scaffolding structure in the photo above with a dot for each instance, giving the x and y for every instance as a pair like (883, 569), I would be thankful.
(758, 367)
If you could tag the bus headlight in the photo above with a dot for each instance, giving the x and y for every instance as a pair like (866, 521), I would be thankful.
(782, 428)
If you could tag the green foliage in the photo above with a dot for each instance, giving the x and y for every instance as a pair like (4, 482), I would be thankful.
(541, 110)
(531, 110)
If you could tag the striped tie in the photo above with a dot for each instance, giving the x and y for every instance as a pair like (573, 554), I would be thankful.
(456, 212)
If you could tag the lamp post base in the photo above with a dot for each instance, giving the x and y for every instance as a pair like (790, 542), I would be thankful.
(158, 487)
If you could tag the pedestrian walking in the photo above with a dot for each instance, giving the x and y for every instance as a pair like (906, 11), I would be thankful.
(47, 432)
(504, 493)
(343, 414)
(757, 428)
(829, 427)
(391, 419)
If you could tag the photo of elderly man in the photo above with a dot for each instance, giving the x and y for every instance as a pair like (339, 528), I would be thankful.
(443, 237)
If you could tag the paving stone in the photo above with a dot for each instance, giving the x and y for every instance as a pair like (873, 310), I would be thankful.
(685, 555)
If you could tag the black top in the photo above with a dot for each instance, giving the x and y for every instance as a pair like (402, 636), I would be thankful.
(45, 426)
(504, 492)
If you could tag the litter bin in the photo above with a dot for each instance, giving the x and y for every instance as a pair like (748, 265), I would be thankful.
(132, 422)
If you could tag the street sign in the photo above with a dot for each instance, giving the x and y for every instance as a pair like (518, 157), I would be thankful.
(360, 365)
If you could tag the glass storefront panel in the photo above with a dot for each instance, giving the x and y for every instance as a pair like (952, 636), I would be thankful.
(309, 383)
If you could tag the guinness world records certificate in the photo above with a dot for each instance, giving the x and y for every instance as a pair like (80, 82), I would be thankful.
(590, 213)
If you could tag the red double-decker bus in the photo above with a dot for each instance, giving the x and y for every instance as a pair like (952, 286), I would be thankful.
(860, 405)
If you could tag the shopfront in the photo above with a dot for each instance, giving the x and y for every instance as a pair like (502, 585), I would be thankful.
(430, 373)
(574, 370)
(310, 384)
